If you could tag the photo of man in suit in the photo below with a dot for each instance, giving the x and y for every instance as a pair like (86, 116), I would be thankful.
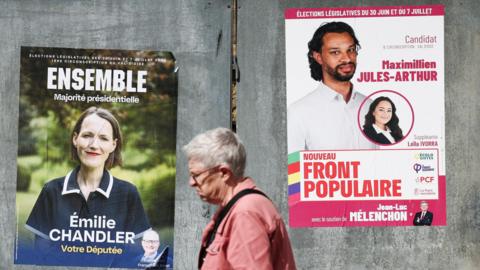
(153, 259)
(424, 217)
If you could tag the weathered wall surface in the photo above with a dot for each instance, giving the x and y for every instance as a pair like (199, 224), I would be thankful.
(198, 33)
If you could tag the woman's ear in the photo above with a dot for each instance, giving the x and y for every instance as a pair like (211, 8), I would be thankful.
(114, 143)
(74, 139)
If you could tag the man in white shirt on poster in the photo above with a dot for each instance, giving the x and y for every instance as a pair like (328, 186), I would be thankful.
(326, 119)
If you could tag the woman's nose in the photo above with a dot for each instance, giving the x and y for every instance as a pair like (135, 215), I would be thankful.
(93, 142)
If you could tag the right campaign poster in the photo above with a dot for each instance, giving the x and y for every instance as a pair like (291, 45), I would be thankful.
(366, 117)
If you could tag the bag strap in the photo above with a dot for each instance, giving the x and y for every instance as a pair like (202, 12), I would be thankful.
(221, 216)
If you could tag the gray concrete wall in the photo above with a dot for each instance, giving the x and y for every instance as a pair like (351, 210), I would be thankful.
(198, 34)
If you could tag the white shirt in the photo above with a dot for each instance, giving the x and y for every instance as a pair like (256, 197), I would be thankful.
(323, 121)
(385, 133)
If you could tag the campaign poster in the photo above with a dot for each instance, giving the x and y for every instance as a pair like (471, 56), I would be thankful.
(366, 116)
(96, 158)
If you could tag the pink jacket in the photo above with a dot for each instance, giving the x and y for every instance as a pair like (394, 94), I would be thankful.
(251, 236)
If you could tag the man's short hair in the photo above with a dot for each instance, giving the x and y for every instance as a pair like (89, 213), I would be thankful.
(150, 235)
(316, 43)
(219, 146)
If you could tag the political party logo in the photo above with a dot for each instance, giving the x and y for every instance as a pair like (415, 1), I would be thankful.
(425, 179)
(417, 167)
(423, 156)
(425, 191)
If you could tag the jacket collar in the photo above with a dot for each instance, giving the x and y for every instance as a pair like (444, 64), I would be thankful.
(70, 184)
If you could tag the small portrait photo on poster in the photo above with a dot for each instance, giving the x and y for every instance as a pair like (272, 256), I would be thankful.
(423, 217)
(389, 118)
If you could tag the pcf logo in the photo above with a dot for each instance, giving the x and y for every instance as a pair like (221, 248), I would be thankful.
(425, 179)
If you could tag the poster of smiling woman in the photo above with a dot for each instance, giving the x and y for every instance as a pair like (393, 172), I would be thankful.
(365, 116)
(96, 158)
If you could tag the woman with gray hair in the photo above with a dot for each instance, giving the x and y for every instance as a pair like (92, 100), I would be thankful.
(246, 232)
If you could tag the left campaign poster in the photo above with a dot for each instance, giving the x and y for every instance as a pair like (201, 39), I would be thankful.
(96, 158)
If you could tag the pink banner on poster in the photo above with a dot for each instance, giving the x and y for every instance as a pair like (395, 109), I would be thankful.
(364, 213)
(359, 12)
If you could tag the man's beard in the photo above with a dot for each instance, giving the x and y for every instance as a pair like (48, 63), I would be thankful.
(339, 77)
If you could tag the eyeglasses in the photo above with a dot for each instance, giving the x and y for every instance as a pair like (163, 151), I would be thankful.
(195, 176)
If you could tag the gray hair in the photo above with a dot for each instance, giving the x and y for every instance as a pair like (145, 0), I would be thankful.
(219, 146)
(149, 234)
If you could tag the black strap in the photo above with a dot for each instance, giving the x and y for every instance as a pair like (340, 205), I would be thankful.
(220, 217)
